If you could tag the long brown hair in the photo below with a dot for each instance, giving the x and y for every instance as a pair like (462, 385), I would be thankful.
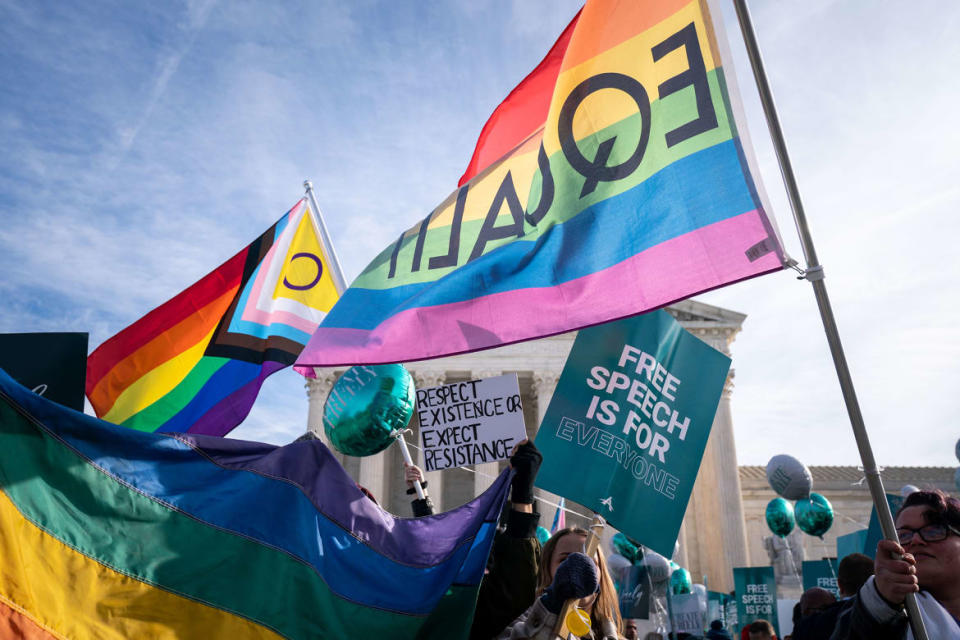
(606, 607)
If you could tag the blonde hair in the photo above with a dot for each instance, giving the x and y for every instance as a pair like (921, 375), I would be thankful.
(606, 607)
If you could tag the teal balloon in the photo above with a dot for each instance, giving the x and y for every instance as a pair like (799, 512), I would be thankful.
(367, 406)
(543, 535)
(814, 515)
(680, 582)
(780, 517)
(626, 548)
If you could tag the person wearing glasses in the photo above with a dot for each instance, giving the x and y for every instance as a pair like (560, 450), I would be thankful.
(926, 562)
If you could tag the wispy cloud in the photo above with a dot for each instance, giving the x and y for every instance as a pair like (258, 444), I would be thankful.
(144, 145)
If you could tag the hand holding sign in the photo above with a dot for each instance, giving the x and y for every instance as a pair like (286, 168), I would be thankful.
(525, 461)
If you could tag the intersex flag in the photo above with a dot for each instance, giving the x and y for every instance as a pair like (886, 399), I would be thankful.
(108, 532)
(196, 363)
(614, 180)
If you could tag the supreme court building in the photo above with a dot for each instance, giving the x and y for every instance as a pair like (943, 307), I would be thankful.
(724, 525)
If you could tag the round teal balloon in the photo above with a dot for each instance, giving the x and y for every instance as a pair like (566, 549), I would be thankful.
(780, 517)
(543, 535)
(814, 515)
(680, 582)
(626, 548)
(366, 406)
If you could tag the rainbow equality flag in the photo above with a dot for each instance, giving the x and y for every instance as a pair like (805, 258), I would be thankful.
(196, 363)
(112, 533)
(612, 181)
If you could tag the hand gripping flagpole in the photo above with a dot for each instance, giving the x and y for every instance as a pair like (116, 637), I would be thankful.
(336, 272)
(814, 273)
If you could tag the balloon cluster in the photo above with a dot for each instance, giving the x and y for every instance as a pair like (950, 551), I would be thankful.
(811, 512)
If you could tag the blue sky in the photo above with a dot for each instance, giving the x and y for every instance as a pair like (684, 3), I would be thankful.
(145, 143)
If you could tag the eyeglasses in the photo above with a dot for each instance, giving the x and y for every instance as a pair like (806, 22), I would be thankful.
(929, 533)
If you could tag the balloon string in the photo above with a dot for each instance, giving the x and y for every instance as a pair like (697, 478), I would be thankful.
(487, 475)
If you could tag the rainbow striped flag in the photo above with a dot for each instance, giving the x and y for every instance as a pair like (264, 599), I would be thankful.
(107, 532)
(612, 181)
(195, 364)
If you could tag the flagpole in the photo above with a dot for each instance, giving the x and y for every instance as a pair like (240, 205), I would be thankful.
(336, 272)
(814, 273)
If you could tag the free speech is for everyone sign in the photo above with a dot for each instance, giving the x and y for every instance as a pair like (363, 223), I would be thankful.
(626, 428)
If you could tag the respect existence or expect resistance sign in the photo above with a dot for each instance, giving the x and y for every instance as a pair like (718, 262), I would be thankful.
(468, 423)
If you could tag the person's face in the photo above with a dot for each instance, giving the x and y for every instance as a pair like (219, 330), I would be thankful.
(570, 543)
(630, 630)
(760, 635)
(938, 563)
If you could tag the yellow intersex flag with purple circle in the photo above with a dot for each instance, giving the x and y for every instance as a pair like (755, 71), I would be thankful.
(615, 179)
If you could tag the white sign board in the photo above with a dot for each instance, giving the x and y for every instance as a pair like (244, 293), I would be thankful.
(687, 615)
(467, 423)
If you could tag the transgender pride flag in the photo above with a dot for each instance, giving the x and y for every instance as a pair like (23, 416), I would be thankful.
(612, 181)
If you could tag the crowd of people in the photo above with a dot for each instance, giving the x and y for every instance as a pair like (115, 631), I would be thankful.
(526, 586)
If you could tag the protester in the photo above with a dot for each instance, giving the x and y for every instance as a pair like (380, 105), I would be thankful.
(421, 506)
(630, 630)
(814, 600)
(926, 562)
(601, 604)
(761, 630)
(852, 573)
(717, 632)
(510, 584)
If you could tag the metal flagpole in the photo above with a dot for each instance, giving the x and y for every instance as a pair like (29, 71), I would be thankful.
(336, 272)
(814, 273)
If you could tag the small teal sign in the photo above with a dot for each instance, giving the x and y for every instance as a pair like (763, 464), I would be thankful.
(821, 573)
(756, 593)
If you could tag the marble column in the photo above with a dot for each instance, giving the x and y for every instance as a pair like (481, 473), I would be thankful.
(544, 384)
(716, 511)
(485, 473)
(425, 379)
(317, 391)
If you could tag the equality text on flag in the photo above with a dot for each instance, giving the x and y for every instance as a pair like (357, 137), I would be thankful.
(635, 190)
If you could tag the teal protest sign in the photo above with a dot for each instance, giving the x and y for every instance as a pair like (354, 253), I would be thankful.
(633, 588)
(874, 533)
(821, 573)
(851, 543)
(756, 593)
(627, 425)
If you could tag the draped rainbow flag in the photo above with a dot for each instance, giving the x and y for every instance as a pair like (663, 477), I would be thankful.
(196, 363)
(612, 181)
(112, 533)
